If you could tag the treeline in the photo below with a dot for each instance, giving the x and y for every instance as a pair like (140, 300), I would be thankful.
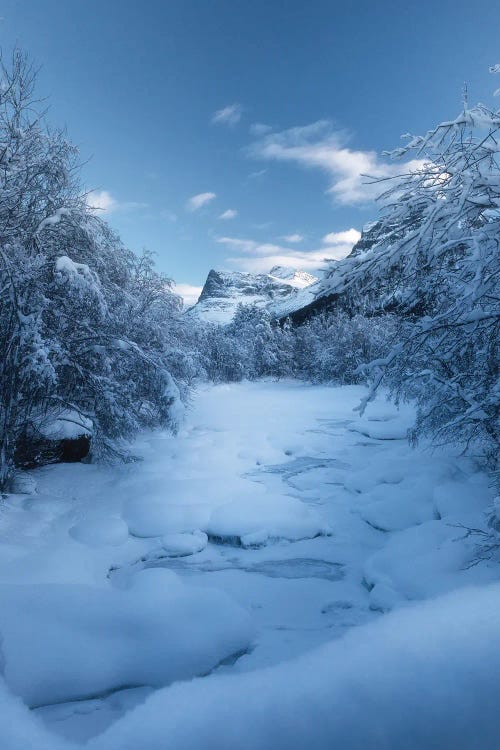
(331, 347)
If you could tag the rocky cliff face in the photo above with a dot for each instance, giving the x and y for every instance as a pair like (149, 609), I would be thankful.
(225, 290)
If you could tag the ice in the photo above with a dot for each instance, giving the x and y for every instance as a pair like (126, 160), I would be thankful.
(256, 521)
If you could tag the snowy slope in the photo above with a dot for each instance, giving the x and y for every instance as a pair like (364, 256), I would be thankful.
(224, 290)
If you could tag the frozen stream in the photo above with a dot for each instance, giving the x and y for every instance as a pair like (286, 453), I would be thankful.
(275, 522)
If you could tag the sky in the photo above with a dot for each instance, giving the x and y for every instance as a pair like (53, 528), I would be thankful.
(233, 135)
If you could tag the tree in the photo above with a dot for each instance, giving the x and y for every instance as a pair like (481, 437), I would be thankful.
(439, 236)
(83, 321)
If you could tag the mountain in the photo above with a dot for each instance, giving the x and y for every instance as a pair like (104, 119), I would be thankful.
(329, 292)
(225, 290)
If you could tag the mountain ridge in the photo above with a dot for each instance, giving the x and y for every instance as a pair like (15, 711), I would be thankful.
(223, 291)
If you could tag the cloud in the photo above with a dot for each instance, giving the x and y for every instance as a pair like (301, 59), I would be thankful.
(258, 128)
(229, 214)
(198, 201)
(319, 146)
(102, 202)
(350, 236)
(262, 256)
(229, 115)
(258, 173)
(188, 292)
(293, 238)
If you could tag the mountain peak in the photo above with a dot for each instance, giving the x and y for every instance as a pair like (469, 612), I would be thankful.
(223, 291)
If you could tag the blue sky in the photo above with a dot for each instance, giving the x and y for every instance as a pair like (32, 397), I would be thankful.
(265, 110)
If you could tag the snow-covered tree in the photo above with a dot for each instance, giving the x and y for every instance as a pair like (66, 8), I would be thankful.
(83, 322)
(439, 238)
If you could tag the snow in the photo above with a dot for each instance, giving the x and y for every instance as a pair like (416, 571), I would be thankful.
(64, 265)
(281, 573)
(225, 290)
(182, 545)
(415, 679)
(98, 532)
(252, 522)
(80, 641)
(292, 276)
(149, 517)
(66, 423)
(54, 219)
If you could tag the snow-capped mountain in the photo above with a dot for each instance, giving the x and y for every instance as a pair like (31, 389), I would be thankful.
(225, 290)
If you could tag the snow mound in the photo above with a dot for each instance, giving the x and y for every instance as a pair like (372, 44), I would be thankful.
(148, 517)
(254, 521)
(421, 561)
(425, 676)
(99, 532)
(69, 642)
(390, 429)
(393, 507)
(458, 499)
(181, 545)
(394, 514)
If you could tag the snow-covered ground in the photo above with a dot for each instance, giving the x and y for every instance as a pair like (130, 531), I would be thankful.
(260, 551)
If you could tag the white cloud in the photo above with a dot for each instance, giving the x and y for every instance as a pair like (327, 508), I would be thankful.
(258, 128)
(259, 173)
(293, 238)
(198, 201)
(229, 214)
(229, 115)
(319, 146)
(262, 256)
(102, 202)
(188, 292)
(350, 236)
